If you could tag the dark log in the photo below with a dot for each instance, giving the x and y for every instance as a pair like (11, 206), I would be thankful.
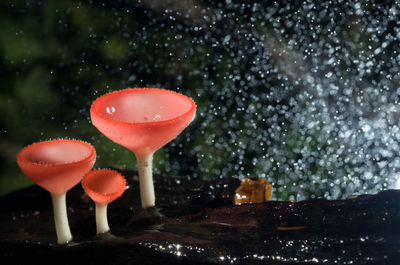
(197, 223)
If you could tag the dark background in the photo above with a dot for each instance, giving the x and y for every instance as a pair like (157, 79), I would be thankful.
(303, 93)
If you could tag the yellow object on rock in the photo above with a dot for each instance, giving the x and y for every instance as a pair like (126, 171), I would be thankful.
(253, 191)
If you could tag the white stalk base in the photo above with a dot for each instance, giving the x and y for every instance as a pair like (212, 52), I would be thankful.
(61, 219)
(101, 219)
(145, 164)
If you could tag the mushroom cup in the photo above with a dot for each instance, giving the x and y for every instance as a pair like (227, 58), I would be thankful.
(57, 166)
(142, 120)
(103, 186)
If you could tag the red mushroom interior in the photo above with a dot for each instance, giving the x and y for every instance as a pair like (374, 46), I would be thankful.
(142, 119)
(144, 105)
(57, 165)
(56, 152)
(103, 185)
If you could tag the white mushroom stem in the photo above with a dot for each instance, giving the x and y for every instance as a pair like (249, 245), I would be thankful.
(145, 164)
(61, 219)
(101, 218)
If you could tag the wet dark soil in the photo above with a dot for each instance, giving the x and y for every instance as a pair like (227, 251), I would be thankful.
(195, 222)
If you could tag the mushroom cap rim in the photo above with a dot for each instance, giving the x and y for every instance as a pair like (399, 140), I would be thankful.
(136, 124)
(91, 155)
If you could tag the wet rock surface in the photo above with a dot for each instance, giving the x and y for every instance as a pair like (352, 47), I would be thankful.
(197, 223)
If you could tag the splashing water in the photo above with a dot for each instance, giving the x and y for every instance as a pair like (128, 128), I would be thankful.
(306, 95)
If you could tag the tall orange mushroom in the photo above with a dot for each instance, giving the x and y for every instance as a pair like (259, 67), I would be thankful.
(142, 120)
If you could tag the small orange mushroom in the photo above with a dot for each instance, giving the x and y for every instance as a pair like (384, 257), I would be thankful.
(253, 191)
(103, 186)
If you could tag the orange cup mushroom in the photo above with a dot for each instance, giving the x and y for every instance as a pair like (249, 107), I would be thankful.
(103, 186)
(142, 120)
(57, 166)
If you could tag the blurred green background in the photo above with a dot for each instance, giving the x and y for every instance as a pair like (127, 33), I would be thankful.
(58, 56)
(247, 67)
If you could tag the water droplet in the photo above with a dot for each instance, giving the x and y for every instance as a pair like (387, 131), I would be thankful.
(110, 110)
